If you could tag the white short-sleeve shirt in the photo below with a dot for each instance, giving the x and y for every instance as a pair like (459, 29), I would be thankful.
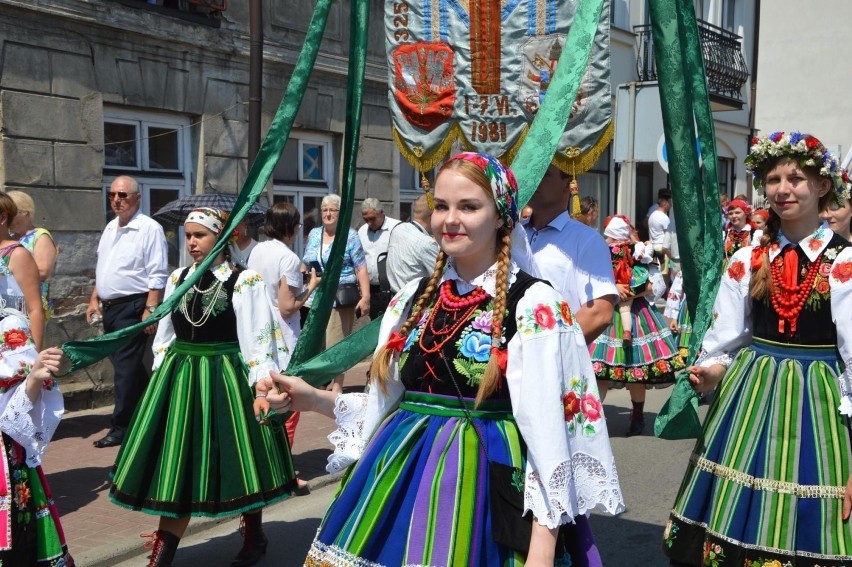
(274, 261)
(574, 258)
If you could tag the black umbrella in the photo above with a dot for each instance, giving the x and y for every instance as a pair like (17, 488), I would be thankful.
(175, 213)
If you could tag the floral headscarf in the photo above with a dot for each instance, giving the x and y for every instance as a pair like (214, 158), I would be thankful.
(504, 187)
(214, 219)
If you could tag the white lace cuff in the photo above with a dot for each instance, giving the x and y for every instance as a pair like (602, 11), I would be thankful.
(32, 425)
(704, 359)
(575, 487)
(349, 439)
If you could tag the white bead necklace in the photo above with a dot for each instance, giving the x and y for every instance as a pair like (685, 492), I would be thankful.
(215, 290)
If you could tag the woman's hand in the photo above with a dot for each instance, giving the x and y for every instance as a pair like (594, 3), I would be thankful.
(847, 499)
(705, 378)
(314, 280)
(542, 546)
(291, 393)
(261, 405)
(363, 307)
(673, 326)
(46, 364)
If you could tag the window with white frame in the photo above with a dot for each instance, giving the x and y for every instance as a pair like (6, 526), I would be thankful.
(153, 148)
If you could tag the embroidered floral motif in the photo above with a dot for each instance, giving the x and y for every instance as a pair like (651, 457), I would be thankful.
(714, 555)
(842, 272)
(763, 562)
(15, 338)
(736, 270)
(249, 281)
(474, 346)
(670, 533)
(544, 318)
(582, 408)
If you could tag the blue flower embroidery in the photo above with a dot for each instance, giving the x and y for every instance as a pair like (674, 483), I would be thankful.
(476, 346)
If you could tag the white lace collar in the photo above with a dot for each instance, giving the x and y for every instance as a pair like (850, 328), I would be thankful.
(812, 245)
(222, 272)
(485, 280)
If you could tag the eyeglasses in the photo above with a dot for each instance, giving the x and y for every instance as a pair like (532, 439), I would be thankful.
(330, 210)
(122, 195)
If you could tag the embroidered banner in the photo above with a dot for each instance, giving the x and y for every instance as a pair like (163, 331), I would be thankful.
(473, 73)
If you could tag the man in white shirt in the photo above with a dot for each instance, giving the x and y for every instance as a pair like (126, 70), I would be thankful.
(573, 257)
(411, 248)
(129, 281)
(374, 235)
(660, 235)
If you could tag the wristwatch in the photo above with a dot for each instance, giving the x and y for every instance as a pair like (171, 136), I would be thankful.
(151, 308)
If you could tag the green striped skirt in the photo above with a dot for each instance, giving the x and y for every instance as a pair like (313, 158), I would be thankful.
(194, 447)
(765, 482)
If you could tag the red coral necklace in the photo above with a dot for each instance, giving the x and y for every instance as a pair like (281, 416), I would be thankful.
(788, 298)
(461, 307)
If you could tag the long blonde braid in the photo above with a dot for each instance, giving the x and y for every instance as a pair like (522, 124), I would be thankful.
(493, 373)
(382, 360)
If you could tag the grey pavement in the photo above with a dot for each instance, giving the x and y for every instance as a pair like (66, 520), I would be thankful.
(650, 471)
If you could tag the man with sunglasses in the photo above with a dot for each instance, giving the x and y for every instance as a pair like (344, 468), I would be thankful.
(129, 281)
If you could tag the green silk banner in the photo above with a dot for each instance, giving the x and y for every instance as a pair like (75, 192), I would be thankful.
(685, 102)
(84, 353)
(313, 334)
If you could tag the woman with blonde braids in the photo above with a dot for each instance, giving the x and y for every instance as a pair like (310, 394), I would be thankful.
(477, 365)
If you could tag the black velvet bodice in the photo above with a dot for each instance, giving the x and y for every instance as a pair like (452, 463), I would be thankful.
(815, 326)
(219, 327)
(466, 352)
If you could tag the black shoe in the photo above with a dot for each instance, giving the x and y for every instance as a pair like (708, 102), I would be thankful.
(108, 440)
(637, 426)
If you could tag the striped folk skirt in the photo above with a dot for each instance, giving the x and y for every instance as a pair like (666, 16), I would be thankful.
(30, 532)
(194, 447)
(652, 358)
(684, 330)
(765, 483)
(419, 493)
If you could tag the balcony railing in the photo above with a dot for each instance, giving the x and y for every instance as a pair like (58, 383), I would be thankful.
(207, 12)
(722, 52)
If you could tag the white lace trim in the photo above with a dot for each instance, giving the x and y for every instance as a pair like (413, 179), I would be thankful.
(575, 487)
(704, 359)
(486, 280)
(349, 439)
(31, 425)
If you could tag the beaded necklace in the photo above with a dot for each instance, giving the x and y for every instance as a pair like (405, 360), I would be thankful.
(736, 239)
(788, 299)
(460, 307)
(210, 297)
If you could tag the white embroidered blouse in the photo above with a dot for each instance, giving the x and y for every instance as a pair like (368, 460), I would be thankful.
(261, 341)
(570, 467)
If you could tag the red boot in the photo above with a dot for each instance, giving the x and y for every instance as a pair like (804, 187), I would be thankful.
(163, 545)
(254, 543)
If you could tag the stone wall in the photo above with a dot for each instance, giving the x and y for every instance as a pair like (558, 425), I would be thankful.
(61, 61)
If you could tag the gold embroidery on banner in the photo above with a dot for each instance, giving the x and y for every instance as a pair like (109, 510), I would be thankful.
(767, 484)
(540, 13)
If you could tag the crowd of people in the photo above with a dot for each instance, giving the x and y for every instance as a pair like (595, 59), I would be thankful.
(481, 439)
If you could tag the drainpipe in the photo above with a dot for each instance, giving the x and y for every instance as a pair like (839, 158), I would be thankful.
(629, 169)
(255, 80)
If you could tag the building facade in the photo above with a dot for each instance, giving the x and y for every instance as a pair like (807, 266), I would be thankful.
(92, 89)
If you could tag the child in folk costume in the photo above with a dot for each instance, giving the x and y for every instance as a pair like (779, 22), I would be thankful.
(626, 252)
(738, 229)
(770, 478)
(194, 447)
(30, 409)
(479, 366)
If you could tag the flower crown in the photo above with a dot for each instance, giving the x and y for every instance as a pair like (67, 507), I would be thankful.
(805, 149)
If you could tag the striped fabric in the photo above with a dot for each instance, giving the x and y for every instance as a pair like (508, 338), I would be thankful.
(32, 533)
(766, 481)
(684, 329)
(419, 495)
(652, 357)
(194, 447)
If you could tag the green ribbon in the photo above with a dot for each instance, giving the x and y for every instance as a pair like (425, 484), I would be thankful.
(536, 152)
(84, 353)
(313, 333)
(685, 102)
